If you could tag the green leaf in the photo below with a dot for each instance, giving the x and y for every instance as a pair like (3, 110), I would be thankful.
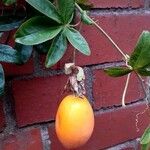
(45, 7)
(10, 22)
(145, 139)
(77, 41)
(141, 55)
(23, 53)
(2, 80)
(43, 48)
(19, 56)
(56, 51)
(8, 54)
(117, 71)
(9, 2)
(145, 147)
(66, 9)
(144, 71)
(36, 30)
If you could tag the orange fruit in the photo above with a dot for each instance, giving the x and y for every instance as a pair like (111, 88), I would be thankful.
(74, 121)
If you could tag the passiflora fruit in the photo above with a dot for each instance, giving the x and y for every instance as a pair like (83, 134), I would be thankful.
(74, 121)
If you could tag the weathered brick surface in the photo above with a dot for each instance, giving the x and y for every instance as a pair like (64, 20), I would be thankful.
(13, 70)
(4, 37)
(117, 3)
(11, 39)
(36, 100)
(108, 91)
(23, 140)
(111, 128)
(121, 27)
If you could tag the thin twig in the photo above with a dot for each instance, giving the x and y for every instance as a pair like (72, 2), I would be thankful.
(125, 90)
(74, 50)
(104, 33)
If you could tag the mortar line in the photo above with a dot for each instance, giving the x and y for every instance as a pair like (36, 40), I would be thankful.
(103, 110)
(52, 73)
(45, 138)
(89, 84)
(126, 144)
(120, 11)
(9, 111)
(36, 61)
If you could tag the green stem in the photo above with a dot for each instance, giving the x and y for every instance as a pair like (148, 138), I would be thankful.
(104, 33)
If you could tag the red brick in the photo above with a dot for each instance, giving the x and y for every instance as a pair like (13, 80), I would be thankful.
(2, 118)
(111, 128)
(36, 100)
(4, 37)
(55, 144)
(124, 29)
(11, 40)
(108, 91)
(23, 140)
(12, 69)
(117, 3)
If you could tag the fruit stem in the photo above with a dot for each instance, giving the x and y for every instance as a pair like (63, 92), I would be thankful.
(125, 90)
(104, 33)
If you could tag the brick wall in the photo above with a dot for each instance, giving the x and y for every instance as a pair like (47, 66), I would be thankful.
(28, 108)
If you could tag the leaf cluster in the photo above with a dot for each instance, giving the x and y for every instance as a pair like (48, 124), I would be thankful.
(20, 54)
(54, 24)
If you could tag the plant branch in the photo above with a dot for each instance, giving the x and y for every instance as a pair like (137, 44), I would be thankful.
(104, 33)
(125, 90)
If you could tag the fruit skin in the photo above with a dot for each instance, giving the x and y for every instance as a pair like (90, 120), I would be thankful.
(74, 121)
